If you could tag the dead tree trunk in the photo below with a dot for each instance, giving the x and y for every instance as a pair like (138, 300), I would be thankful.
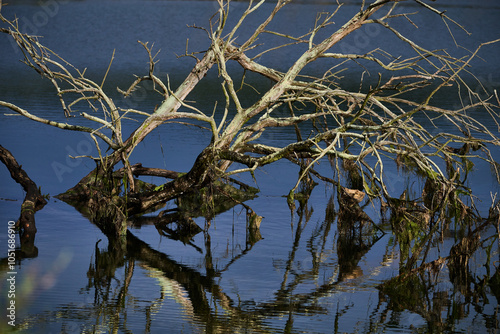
(33, 201)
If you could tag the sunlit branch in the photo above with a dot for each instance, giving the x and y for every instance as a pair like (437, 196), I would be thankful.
(59, 125)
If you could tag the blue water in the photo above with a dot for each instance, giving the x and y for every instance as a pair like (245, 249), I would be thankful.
(289, 280)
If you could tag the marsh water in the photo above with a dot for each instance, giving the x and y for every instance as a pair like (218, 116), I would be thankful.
(301, 277)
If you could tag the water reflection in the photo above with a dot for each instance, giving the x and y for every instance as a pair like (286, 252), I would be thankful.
(205, 303)
(325, 262)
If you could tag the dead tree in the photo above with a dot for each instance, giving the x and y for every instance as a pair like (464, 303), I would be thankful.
(362, 130)
(33, 201)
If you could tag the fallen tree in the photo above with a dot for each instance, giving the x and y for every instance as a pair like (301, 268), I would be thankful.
(359, 132)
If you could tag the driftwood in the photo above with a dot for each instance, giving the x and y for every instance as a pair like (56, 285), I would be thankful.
(33, 201)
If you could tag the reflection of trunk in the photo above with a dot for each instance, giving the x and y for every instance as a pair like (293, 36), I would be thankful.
(193, 282)
(33, 201)
(350, 250)
(97, 196)
(28, 248)
(201, 290)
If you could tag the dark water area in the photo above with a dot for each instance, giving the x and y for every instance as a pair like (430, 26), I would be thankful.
(299, 277)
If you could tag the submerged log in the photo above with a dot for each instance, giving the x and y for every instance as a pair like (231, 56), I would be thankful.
(33, 201)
